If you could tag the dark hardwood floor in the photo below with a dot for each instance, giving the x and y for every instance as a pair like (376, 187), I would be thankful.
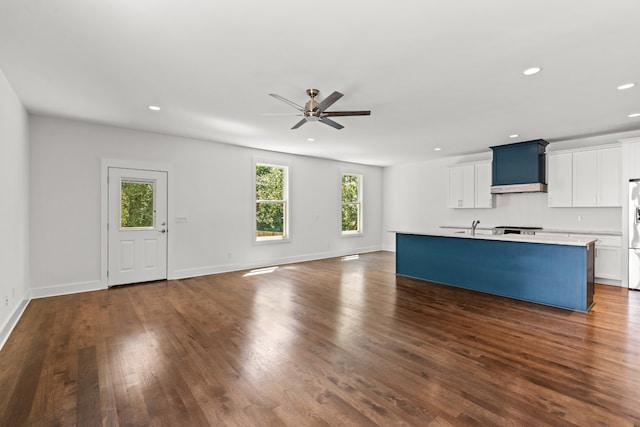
(329, 343)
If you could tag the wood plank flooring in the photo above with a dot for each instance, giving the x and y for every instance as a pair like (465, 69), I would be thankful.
(336, 342)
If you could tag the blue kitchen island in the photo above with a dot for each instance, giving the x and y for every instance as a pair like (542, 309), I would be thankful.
(554, 271)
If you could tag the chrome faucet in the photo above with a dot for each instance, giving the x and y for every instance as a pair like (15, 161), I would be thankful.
(474, 224)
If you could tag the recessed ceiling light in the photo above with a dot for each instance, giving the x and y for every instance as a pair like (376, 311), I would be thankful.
(311, 139)
(154, 108)
(626, 86)
(531, 71)
(514, 135)
(634, 115)
(437, 149)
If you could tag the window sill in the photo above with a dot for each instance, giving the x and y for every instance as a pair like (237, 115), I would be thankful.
(272, 241)
(352, 234)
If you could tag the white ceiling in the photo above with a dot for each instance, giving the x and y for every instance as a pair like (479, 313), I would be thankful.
(444, 73)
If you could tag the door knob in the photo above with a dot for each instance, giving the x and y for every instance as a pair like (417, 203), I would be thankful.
(163, 231)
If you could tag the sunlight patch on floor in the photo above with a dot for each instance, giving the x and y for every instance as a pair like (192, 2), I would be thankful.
(257, 271)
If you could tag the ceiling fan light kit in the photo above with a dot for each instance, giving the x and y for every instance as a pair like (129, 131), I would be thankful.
(314, 111)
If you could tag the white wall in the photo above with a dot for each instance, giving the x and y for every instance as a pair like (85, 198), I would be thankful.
(14, 208)
(416, 199)
(212, 188)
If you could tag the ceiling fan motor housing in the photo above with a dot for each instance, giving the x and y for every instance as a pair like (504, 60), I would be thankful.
(311, 104)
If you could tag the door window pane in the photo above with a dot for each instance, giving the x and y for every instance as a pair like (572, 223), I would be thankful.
(137, 204)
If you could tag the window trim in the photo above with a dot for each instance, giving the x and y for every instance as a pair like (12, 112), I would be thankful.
(360, 203)
(286, 193)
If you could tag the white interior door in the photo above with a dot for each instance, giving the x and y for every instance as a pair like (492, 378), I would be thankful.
(137, 226)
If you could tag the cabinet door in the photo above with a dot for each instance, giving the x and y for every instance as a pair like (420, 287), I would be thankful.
(632, 159)
(608, 262)
(455, 187)
(483, 196)
(468, 186)
(585, 178)
(609, 177)
(560, 180)
(461, 186)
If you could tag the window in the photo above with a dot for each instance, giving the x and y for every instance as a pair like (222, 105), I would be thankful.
(271, 202)
(136, 204)
(351, 204)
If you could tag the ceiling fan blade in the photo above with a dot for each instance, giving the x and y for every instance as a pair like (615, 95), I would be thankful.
(281, 114)
(331, 123)
(300, 123)
(328, 101)
(345, 113)
(285, 100)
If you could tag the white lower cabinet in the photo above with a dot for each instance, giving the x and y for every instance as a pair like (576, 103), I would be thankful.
(608, 261)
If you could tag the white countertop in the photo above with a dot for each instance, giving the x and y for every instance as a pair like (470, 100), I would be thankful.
(547, 230)
(485, 234)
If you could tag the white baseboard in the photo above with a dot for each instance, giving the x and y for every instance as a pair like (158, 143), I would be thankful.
(226, 268)
(12, 321)
(66, 289)
(609, 282)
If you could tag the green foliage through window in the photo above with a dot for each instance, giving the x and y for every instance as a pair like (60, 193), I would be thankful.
(136, 204)
(270, 201)
(351, 203)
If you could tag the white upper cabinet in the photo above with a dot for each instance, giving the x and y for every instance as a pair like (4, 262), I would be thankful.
(609, 182)
(461, 186)
(483, 196)
(470, 185)
(560, 179)
(597, 176)
(585, 178)
(632, 158)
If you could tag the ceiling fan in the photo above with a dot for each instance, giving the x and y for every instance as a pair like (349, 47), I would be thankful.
(317, 111)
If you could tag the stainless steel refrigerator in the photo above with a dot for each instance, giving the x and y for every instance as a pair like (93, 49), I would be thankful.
(634, 234)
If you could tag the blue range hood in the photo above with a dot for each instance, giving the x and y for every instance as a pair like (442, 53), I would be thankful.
(519, 167)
